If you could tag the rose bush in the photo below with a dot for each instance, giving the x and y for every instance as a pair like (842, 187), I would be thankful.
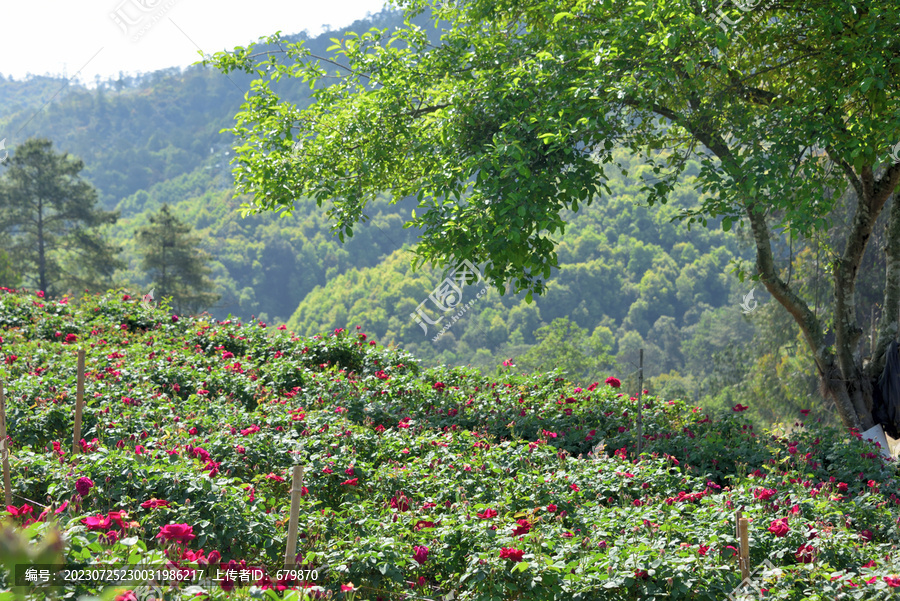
(416, 481)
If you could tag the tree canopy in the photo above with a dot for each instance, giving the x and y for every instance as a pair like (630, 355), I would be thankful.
(513, 115)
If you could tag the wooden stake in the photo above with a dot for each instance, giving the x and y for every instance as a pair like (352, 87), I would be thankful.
(79, 402)
(290, 555)
(640, 390)
(745, 549)
(7, 486)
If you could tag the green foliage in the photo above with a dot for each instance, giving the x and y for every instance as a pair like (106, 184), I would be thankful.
(8, 276)
(477, 115)
(564, 344)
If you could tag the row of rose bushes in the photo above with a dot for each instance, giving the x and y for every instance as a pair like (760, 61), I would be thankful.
(417, 482)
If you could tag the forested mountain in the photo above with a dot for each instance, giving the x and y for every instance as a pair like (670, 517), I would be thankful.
(629, 276)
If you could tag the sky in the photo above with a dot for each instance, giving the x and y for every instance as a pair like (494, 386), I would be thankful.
(82, 39)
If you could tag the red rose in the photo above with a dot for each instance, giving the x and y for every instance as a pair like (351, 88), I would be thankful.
(97, 522)
(780, 527)
(487, 514)
(420, 554)
(83, 486)
(614, 382)
(513, 554)
(181, 533)
(764, 494)
(400, 503)
(524, 527)
(804, 554)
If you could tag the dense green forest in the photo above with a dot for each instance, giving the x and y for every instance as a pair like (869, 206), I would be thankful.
(629, 276)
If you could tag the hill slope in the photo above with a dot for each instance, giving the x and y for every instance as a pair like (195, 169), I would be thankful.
(417, 482)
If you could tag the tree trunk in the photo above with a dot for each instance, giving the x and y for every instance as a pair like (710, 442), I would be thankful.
(889, 324)
(42, 258)
(842, 376)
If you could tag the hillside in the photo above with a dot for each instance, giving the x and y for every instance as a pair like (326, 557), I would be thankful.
(418, 482)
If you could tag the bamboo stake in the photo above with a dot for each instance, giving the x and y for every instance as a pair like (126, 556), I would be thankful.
(640, 390)
(290, 555)
(745, 549)
(7, 486)
(79, 402)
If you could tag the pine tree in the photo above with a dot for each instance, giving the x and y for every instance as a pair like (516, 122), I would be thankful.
(177, 266)
(49, 217)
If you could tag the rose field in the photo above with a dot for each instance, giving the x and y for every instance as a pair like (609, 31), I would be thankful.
(417, 484)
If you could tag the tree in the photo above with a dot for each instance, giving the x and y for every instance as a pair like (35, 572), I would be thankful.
(564, 344)
(177, 266)
(49, 215)
(514, 116)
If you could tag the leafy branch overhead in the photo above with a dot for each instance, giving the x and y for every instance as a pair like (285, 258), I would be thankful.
(513, 115)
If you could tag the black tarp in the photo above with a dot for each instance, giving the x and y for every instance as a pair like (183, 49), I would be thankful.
(886, 396)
